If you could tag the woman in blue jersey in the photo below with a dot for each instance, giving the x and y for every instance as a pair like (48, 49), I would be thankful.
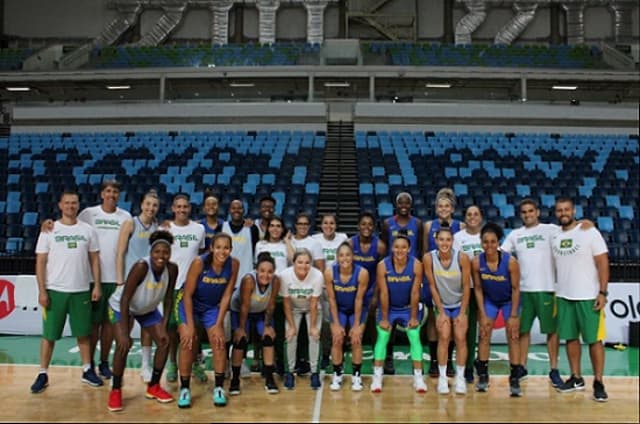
(150, 282)
(445, 206)
(346, 285)
(448, 272)
(411, 227)
(398, 279)
(253, 304)
(133, 244)
(496, 279)
(205, 299)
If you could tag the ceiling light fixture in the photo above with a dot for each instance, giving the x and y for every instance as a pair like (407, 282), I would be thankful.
(18, 88)
(242, 84)
(337, 84)
(438, 85)
(565, 87)
(118, 87)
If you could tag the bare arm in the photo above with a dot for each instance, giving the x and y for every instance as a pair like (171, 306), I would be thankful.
(602, 264)
(425, 236)
(331, 295)
(465, 266)
(415, 294)
(514, 272)
(41, 278)
(477, 285)
(383, 293)
(363, 284)
(246, 286)
(123, 244)
(94, 259)
(168, 297)
(427, 264)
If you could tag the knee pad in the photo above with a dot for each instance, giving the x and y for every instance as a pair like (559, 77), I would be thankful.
(380, 349)
(267, 341)
(415, 346)
(241, 345)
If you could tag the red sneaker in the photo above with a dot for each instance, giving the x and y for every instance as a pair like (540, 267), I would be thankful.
(158, 393)
(115, 400)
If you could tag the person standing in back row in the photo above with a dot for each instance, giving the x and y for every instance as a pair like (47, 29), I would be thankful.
(445, 206)
(582, 270)
(66, 258)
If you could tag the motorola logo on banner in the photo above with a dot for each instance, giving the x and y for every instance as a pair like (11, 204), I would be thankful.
(7, 299)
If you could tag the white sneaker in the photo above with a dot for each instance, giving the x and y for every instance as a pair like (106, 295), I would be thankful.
(443, 385)
(376, 383)
(419, 384)
(146, 374)
(336, 382)
(356, 383)
(245, 371)
(461, 386)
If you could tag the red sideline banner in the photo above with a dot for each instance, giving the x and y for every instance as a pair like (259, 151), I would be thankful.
(20, 312)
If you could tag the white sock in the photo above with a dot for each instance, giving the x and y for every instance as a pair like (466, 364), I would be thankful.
(460, 371)
(443, 370)
(43, 370)
(417, 372)
(146, 356)
(377, 371)
(86, 367)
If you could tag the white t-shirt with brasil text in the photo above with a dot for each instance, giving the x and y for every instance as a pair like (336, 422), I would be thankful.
(532, 248)
(301, 292)
(187, 242)
(576, 271)
(107, 226)
(67, 248)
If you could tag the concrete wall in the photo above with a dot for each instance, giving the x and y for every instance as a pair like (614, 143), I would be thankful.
(77, 19)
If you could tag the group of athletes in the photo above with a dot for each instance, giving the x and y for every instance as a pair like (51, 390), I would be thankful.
(239, 281)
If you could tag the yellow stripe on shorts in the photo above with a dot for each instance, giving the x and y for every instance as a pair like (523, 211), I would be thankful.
(602, 328)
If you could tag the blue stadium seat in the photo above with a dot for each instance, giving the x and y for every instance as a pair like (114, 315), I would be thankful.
(605, 223)
(30, 218)
(626, 212)
(385, 209)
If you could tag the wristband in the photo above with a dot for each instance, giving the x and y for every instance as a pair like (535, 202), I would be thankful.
(605, 293)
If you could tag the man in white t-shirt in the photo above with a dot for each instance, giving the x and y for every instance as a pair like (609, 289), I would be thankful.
(582, 272)
(188, 243)
(302, 240)
(66, 259)
(531, 244)
(106, 219)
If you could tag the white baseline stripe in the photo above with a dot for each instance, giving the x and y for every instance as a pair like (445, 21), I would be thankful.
(318, 402)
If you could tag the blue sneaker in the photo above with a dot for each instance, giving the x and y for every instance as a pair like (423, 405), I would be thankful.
(184, 399)
(289, 381)
(104, 371)
(315, 381)
(219, 398)
(90, 377)
(41, 383)
(554, 376)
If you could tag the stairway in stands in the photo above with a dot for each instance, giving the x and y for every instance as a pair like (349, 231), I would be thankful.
(339, 179)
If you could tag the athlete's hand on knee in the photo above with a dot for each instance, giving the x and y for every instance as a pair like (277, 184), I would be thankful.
(269, 331)
(186, 336)
(217, 333)
(461, 322)
(291, 333)
(413, 323)
(315, 333)
(337, 330)
(513, 324)
(43, 299)
(123, 344)
(441, 320)
(384, 324)
(356, 334)
(239, 334)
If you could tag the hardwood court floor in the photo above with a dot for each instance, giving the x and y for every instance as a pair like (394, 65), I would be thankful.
(67, 399)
